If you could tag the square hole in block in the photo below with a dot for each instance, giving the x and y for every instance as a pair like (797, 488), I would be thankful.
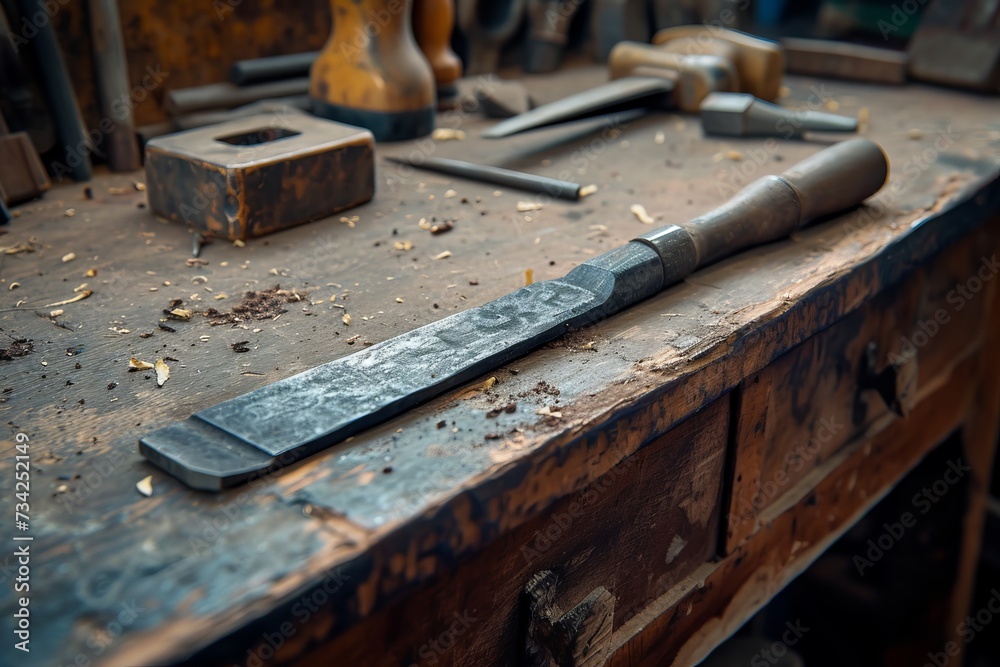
(257, 137)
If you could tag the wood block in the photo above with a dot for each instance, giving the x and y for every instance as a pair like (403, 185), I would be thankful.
(840, 60)
(260, 174)
(958, 44)
(23, 176)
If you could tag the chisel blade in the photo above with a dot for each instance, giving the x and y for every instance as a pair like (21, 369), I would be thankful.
(618, 95)
(277, 424)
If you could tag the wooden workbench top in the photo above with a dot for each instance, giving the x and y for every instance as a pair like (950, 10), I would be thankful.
(194, 567)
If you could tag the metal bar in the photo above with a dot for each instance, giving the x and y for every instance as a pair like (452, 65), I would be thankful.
(496, 175)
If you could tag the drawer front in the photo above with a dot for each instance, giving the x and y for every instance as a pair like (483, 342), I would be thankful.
(635, 531)
(806, 405)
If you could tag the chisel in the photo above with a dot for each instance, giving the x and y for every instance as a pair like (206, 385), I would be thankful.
(246, 436)
(687, 64)
(497, 175)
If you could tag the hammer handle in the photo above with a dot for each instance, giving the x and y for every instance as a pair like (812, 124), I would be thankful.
(835, 179)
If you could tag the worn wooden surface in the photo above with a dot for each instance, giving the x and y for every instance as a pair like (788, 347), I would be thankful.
(688, 621)
(806, 405)
(352, 519)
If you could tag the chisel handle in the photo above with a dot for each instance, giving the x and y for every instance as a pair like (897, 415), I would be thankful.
(835, 179)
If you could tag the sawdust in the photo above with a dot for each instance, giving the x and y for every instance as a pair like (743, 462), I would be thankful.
(263, 305)
(17, 348)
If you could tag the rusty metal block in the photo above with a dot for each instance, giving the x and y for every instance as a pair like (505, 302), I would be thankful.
(260, 174)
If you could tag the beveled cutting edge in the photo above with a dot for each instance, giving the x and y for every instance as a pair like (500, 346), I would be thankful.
(243, 437)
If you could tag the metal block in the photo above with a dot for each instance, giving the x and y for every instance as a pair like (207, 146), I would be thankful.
(260, 174)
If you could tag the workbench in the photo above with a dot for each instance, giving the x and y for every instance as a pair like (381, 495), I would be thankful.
(694, 454)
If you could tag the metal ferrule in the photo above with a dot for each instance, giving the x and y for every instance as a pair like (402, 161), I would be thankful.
(676, 250)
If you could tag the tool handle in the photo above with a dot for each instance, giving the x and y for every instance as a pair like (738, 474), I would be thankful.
(759, 62)
(835, 179)
(696, 75)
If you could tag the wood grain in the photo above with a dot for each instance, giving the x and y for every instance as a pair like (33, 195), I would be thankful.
(395, 510)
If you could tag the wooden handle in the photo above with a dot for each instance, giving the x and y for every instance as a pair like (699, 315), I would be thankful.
(760, 62)
(696, 76)
(833, 180)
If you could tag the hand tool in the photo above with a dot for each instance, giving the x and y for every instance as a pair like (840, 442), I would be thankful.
(282, 422)
(112, 85)
(371, 74)
(256, 175)
(548, 33)
(505, 99)
(23, 176)
(274, 68)
(680, 72)
(215, 96)
(957, 44)
(841, 60)
(21, 104)
(433, 22)
(58, 91)
(743, 115)
(614, 21)
(487, 25)
(497, 175)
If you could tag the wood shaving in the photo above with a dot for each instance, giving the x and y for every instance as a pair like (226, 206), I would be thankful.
(135, 364)
(138, 185)
(735, 156)
(239, 243)
(56, 313)
(441, 227)
(145, 486)
(162, 372)
(587, 190)
(179, 313)
(346, 319)
(13, 286)
(403, 245)
(83, 294)
(443, 255)
(90, 273)
(399, 300)
(25, 246)
(525, 206)
(639, 211)
(548, 412)
(69, 257)
(529, 276)
(70, 212)
(448, 194)
(448, 134)
(196, 261)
